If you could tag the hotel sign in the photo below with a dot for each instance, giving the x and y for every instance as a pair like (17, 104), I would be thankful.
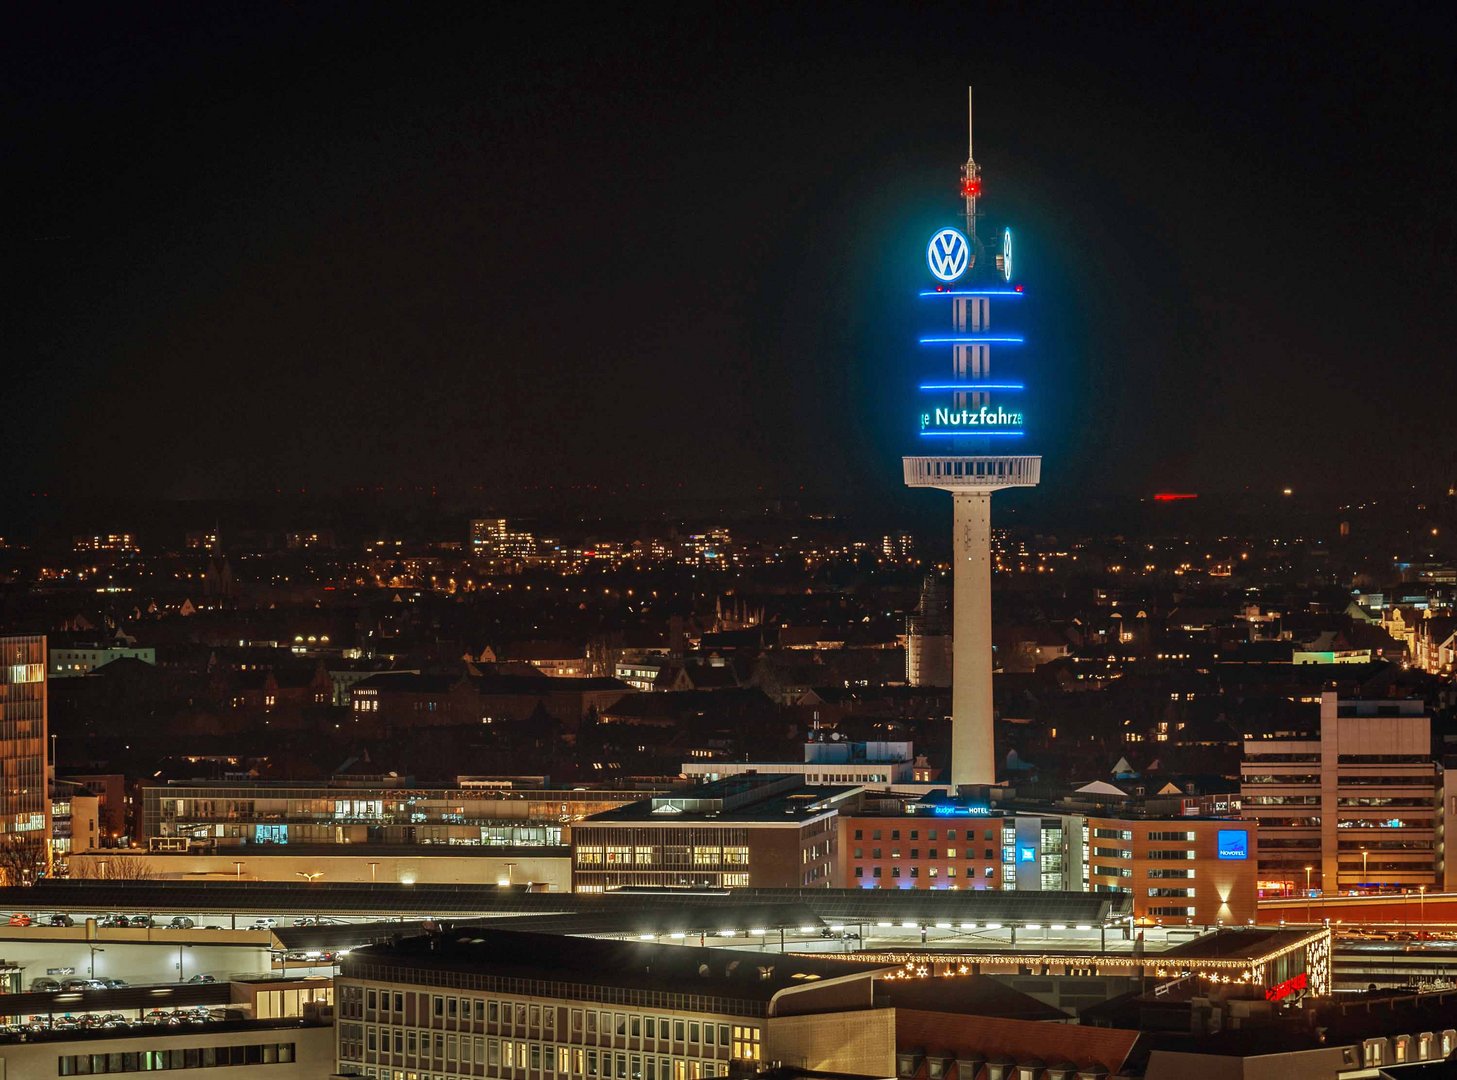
(1234, 844)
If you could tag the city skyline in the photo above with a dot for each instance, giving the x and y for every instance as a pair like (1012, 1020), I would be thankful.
(314, 250)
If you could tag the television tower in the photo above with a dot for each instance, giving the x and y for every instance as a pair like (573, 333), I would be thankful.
(970, 426)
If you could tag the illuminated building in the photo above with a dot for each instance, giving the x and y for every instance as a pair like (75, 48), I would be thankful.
(25, 803)
(928, 637)
(1355, 803)
(73, 661)
(1173, 869)
(502, 1003)
(968, 414)
(763, 831)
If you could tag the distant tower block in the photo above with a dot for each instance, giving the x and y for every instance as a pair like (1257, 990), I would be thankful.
(928, 637)
(971, 418)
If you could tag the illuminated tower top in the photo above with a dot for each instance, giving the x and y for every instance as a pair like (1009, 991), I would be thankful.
(970, 182)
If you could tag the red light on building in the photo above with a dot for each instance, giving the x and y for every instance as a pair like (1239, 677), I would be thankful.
(1283, 990)
(1019, 288)
(1173, 496)
(971, 189)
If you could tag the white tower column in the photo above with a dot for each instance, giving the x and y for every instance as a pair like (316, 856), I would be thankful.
(973, 750)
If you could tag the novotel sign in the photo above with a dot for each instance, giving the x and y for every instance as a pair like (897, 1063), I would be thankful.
(1234, 844)
(986, 416)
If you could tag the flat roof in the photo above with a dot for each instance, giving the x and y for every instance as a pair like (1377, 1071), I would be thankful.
(682, 969)
(362, 852)
(747, 798)
(466, 901)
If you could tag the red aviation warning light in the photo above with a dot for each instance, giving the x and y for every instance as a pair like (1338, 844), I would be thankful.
(971, 187)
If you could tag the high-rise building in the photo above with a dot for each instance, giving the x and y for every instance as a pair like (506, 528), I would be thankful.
(486, 534)
(1354, 803)
(24, 799)
(966, 414)
(928, 637)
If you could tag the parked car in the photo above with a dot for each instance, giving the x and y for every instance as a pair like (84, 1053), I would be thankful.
(264, 924)
(44, 986)
(202, 979)
(180, 922)
(74, 983)
(114, 984)
(112, 920)
(58, 920)
(143, 921)
(20, 919)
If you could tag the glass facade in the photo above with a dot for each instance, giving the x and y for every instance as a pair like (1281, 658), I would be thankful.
(24, 801)
(225, 815)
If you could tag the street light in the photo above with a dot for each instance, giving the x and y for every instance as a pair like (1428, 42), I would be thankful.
(180, 972)
(91, 967)
(1308, 869)
(1365, 877)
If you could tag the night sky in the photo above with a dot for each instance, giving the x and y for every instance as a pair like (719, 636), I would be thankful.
(329, 246)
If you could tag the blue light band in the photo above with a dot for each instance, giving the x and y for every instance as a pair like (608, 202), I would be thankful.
(972, 339)
(973, 292)
(969, 387)
(966, 433)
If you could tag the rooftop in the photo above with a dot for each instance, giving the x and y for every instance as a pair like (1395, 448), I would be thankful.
(754, 797)
(722, 973)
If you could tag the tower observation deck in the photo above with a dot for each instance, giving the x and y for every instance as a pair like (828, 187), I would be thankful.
(968, 418)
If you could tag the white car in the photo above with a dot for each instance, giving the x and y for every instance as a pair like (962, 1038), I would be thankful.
(264, 924)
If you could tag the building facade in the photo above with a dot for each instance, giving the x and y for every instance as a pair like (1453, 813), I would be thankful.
(752, 831)
(25, 803)
(1355, 803)
(523, 1006)
(233, 816)
(1175, 869)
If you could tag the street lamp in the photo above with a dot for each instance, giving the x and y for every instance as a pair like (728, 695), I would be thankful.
(1308, 869)
(91, 967)
(180, 972)
(1365, 877)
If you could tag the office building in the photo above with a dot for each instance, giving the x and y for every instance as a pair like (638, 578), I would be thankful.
(499, 1003)
(1353, 803)
(231, 818)
(1175, 869)
(24, 796)
(72, 661)
(771, 831)
(838, 762)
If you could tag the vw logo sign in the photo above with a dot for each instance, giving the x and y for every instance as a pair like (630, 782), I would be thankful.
(948, 254)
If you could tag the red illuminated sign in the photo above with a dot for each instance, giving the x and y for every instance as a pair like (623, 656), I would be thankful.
(1173, 496)
(1286, 988)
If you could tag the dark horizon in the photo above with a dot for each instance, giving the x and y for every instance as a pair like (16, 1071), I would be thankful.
(333, 248)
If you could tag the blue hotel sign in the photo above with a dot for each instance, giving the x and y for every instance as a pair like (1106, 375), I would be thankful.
(1234, 844)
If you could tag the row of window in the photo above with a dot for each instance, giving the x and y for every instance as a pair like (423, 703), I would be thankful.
(915, 834)
(437, 1049)
(394, 1008)
(195, 1057)
(931, 872)
(915, 853)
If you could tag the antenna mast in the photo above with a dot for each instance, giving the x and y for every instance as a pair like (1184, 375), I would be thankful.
(970, 178)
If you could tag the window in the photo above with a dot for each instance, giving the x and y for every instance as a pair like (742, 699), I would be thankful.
(745, 1046)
